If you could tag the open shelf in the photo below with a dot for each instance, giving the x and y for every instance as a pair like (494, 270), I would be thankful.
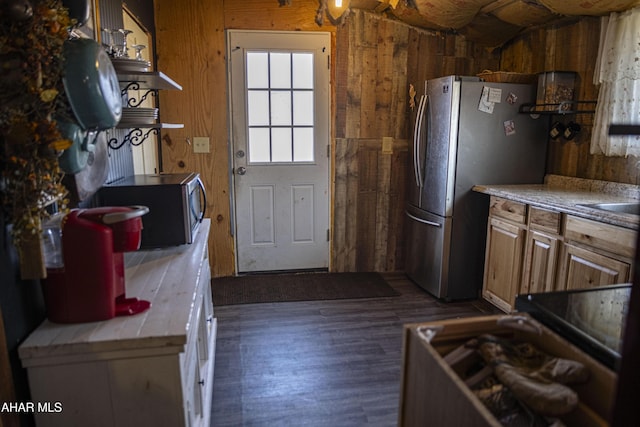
(151, 82)
(138, 134)
(148, 80)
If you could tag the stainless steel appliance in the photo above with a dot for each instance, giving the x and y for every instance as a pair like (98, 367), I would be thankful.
(176, 202)
(466, 132)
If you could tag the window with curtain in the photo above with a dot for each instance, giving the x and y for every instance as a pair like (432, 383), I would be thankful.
(617, 73)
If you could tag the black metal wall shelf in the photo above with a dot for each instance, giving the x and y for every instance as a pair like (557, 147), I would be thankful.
(137, 135)
(133, 102)
(562, 108)
(151, 82)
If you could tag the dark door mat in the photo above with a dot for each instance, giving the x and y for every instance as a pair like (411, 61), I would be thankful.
(298, 287)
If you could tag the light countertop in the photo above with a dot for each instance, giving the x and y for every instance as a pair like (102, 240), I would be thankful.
(567, 195)
(165, 277)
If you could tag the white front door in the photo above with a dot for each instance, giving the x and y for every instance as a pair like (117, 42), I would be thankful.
(279, 99)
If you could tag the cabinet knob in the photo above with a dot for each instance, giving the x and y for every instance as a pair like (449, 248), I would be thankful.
(201, 382)
(209, 319)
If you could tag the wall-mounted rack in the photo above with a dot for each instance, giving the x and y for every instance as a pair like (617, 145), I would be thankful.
(137, 135)
(151, 82)
(562, 108)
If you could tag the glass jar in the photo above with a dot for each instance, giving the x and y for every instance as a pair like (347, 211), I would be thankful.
(556, 87)
(51, 239)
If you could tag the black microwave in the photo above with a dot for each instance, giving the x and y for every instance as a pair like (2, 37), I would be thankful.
(176, 202)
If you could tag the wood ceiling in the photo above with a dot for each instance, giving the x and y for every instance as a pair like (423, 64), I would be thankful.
(488, 22)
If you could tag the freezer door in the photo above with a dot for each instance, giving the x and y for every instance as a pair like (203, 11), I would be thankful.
(427, 256)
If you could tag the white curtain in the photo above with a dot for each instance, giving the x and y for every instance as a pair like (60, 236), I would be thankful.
(618, 74)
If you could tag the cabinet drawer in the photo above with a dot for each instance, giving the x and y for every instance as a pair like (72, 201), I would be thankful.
(544, 220)
(508, 209)
(617, 240)
(583, 269)
(434, 392)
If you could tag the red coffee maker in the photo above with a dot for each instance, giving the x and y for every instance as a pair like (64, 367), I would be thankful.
(89, 286)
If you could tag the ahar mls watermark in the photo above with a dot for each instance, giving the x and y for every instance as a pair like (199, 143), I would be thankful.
(31, 407)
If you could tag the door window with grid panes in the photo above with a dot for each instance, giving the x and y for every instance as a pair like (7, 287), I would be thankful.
(280, 106)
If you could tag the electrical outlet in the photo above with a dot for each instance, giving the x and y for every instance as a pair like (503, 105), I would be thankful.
(387, 145)
(201, 144)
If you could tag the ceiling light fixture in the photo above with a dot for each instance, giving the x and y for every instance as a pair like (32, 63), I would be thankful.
(336, 10)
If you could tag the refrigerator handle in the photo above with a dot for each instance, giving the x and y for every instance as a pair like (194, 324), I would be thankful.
(417, 133)
(416, 127)
(423, 221)
(422, 159)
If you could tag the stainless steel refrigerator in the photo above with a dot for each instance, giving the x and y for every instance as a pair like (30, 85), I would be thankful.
(466, 132)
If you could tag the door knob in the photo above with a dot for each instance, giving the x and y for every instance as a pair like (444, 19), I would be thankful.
(241, 170)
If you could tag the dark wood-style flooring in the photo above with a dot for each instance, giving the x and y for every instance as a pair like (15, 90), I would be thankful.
(319, 363)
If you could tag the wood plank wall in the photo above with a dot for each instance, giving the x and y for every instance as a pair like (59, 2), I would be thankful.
(371, 86)
(570, 47)
(433, 54)
(191, 49)
(375, 61)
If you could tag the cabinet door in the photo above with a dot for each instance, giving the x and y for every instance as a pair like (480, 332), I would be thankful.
(541, 256)
(585, 269)
(503, 263)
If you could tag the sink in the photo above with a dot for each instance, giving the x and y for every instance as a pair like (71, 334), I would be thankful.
(626, 207)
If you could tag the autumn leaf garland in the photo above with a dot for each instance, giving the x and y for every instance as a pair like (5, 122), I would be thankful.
(31, 96)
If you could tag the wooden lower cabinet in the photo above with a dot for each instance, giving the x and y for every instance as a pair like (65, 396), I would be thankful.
(595, 254)
(503, 262)
(540, 263)
(532, 250)
(582, 268)
(541, 251)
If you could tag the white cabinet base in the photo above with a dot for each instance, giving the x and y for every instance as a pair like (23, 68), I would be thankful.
(154, 368)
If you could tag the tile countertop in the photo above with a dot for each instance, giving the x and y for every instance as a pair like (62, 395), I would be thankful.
(567, 194)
